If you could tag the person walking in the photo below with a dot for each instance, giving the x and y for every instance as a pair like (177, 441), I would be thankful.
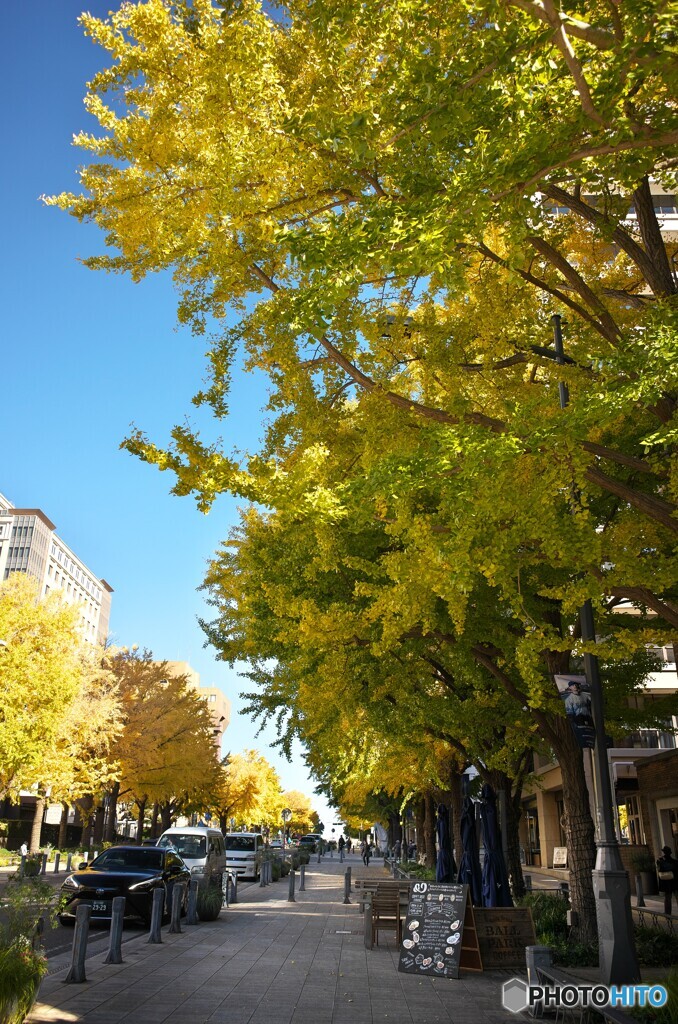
(396, 849)
(667, 877)
(367, 854)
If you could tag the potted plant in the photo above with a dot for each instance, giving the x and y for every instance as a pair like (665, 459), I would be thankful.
(644, 866)
(209, 903)
(22, 963)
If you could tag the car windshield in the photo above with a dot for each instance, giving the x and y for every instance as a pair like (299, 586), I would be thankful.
(188, 846)
(240, 843)
(129, 859)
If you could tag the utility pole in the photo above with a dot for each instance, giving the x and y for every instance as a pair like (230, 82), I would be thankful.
(617, 950)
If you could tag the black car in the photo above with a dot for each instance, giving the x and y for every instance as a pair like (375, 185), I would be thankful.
(134, 872)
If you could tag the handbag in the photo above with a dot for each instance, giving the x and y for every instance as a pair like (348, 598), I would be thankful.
(665, 876)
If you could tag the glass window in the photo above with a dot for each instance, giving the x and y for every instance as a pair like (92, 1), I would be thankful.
(240, 842)
(188, 846)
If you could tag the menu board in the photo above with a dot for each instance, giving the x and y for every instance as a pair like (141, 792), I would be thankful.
(432, 936)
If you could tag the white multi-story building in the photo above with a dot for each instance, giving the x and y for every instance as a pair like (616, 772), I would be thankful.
(29, 543)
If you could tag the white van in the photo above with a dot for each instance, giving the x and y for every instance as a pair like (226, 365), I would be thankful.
(202, 850)
(243, 853)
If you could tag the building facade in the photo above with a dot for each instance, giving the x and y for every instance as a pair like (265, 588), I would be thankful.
(29, 544)
(217, 702)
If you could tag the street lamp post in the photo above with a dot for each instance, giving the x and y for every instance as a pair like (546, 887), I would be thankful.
(286, 815)
(617, 954)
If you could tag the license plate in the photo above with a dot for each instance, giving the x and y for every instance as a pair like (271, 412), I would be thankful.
(99, 905)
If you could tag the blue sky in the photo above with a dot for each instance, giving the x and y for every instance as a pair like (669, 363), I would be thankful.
(84, 356)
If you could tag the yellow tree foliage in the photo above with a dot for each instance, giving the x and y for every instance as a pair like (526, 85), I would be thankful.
(299, 804)
(250, 792)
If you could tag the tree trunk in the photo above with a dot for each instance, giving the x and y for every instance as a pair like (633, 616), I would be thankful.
(166, 816)
(98, 829)
(429, 831)
(154, 820)
(455, 814)
(111, 813)
(36, 828)
(580, 833)
(63, 825)
(141, 804)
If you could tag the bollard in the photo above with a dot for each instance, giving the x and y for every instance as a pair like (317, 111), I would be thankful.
(234, 887)
(341, 855)
(347, 887)
(114, 955)
(302, 878)
(76, 973)
(156, 915)
(57, 858)
(318, 855)
(348, 872)
(367, 922)
(290, 898)
(69, 861)
(537, 956)
(331, 853)
(192, 916)
(395, 869)
(225, 880)
(178, 890)
(528, 882)
(640, 900)
(262, 874)
(43, 865)
(22, 867)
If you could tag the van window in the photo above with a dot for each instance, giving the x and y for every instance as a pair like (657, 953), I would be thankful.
(186, 845)
(245, 843)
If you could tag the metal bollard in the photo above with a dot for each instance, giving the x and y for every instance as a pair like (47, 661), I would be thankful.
(319, 855)
(156, 915)
(395, 869)
(341, 855)
(367, 922)
(22, 867)
(76, 973)
(114, 955)
(348, 872)
(43, 865)
(262, 874)
(528, 882)
(57, 858)
(192, 916)
(290, 898)
(69, 861)
(302, 878)
(225, 881)
(331, 853)
(640, 900)
(234, 887)
(178, 890)
(347, 887)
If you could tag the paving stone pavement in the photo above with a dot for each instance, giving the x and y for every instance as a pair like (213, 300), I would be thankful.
(270, 961)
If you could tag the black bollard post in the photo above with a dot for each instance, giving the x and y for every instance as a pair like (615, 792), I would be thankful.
(640, 899)
(76, 973)
(318, 855)
(43, 865)
(69, 861)
(347, 887)
(290, 898)
(234, 887)
(178, 890)
(57, 858)
(22, 867)
(302, 878)
(348, 872)
(262, 874)
(192, 916)
(114, 955)
(528, 882)
(156, 915)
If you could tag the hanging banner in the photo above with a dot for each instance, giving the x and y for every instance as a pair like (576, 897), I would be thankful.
(576, 695)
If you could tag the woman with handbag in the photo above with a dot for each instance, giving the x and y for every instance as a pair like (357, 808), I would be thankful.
(667, 877)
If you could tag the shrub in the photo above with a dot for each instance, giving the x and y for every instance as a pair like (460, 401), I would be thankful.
(284, 868)
(304, 857)
(667, 1014)
(275, 870)
(21, 969)
(209, 903)
(655, 948)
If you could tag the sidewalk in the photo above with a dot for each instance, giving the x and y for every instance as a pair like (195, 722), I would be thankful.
(266, 960)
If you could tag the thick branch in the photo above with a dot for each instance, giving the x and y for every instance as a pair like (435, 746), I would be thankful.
(563, 43)
(598, 37)
(652, 239)
(657, 509)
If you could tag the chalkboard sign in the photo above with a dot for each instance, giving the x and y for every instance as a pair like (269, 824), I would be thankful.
(503, 933)
(432, 937)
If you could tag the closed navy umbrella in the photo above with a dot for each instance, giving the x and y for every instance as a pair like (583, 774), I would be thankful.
(496, 889)
(469, 866)
(445, 867)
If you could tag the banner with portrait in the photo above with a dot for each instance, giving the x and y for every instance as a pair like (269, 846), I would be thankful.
(576, 696)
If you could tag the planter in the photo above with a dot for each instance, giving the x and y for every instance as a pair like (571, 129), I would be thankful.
(21, 971)
(648, 880)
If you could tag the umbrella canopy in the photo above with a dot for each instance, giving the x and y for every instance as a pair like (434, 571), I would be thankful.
(469, 867)
(496, 889)
(445, 866)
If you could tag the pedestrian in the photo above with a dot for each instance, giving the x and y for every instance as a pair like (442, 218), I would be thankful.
(367, 854)
(667, 876)
(397, 846)
(341, 844)
(349, 845)
(23, 849)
